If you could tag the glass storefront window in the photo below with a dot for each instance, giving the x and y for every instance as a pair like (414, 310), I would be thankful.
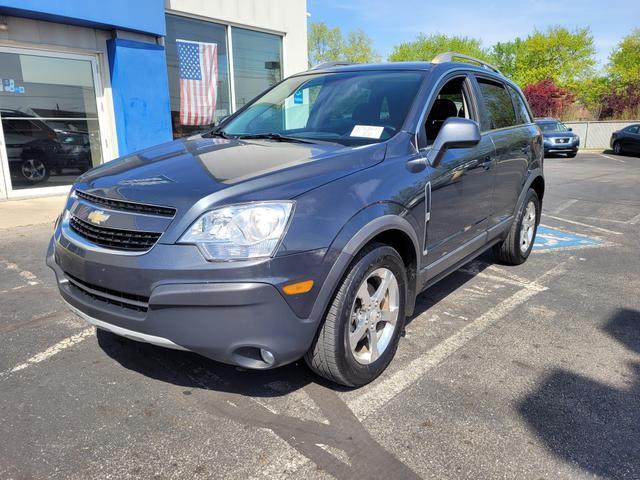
(257, 63)
(49, 119)
(197, 64)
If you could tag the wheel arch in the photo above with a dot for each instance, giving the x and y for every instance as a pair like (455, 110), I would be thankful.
(373, 224)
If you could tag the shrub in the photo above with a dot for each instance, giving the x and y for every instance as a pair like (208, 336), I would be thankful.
(547, 99)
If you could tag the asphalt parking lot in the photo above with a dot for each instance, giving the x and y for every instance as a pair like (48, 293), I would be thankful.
(504, 372)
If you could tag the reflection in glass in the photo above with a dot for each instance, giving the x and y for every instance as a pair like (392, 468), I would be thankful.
(204, 33)
(49, 119)
(257, 63)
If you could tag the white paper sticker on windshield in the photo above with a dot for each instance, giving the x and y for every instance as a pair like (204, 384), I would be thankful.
(367, 131)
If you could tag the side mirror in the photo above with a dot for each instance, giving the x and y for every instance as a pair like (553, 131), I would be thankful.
(455, 133)
(570, 129)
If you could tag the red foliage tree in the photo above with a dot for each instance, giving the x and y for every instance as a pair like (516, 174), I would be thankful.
(621, 102)
(547, 99)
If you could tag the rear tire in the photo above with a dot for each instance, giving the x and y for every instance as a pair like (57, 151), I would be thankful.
(367, 307)
(515, 249)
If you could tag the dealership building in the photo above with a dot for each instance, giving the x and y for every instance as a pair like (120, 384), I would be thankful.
(83, 82)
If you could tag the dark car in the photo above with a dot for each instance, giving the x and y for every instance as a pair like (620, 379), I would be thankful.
(36, 150)
(558, 138)
(626, 140)
(307, 223)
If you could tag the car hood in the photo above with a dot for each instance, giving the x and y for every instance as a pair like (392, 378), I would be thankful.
(216, 170)
(558, 134)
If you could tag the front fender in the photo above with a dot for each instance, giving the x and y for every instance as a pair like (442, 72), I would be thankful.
(355, 234)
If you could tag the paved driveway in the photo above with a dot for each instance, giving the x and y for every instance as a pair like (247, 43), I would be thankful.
(505, 372)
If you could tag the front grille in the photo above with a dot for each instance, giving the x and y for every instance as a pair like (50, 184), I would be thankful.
(112, 297)
(127, 206)
(128, 240)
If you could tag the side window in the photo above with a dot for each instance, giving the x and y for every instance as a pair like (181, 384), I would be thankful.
(451, 101)
(497, 104)
(521, 108)
(633, 129)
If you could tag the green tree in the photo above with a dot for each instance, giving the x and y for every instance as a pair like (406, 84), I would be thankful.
(624, 61)
(425, 47)
(504, 55)
(328, 44)
(592, 92)
(557, 54)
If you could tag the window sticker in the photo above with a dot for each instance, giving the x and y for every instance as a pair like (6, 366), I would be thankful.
(367, 131)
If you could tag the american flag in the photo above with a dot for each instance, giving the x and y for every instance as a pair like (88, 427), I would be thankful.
(198, 63)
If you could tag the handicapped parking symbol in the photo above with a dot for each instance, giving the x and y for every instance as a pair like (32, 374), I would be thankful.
(552, 239)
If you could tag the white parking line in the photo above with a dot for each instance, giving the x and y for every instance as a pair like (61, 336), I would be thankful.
(583, 224)
(565, 205)
(612, 158)
(634, 220)
(385, 390)
(51, 351)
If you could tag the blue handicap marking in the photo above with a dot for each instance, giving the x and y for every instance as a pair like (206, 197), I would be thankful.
(550, 238)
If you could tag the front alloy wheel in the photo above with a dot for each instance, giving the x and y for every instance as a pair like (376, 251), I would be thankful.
(528, 227)
(374, 316)
(360, 332)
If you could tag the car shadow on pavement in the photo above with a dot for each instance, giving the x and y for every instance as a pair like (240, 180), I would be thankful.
(590, 424)
(450, 284)
(334, 439)
(328, 434)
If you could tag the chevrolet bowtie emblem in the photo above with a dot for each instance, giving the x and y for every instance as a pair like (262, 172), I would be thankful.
(97, 217)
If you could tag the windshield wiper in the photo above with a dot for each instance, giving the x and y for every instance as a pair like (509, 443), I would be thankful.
(216, 132)
(274, 136)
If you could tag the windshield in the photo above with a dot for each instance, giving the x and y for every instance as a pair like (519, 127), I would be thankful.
(552, 127)
(350, 108)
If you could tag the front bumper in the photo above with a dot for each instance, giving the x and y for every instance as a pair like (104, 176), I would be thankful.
(550, 146)
(173, 298)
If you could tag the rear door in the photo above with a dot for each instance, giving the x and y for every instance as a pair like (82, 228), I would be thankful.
(513, 140)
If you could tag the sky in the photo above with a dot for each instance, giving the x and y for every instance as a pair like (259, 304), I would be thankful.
(389, 22)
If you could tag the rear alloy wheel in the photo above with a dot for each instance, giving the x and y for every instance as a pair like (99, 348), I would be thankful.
(516, 248)
(34, 170)
(360, 333)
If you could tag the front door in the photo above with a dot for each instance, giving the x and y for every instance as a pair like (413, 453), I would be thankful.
(50, 120)
(458, 197)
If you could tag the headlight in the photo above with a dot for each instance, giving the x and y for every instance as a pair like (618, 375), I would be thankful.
(239, 232)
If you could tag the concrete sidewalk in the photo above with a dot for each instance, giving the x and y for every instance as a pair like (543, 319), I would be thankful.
(32, 211)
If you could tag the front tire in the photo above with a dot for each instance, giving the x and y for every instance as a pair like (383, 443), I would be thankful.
(516, 248)
(361, 330)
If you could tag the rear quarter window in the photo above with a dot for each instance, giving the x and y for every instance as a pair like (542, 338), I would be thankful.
(498, 106)
(522, 112)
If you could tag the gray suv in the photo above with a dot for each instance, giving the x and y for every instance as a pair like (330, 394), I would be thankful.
(306, 224)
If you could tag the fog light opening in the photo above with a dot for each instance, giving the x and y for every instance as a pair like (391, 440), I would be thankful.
(267, 356)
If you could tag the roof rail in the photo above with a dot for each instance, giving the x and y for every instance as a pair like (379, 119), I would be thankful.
(338, 63)
(450, 56)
